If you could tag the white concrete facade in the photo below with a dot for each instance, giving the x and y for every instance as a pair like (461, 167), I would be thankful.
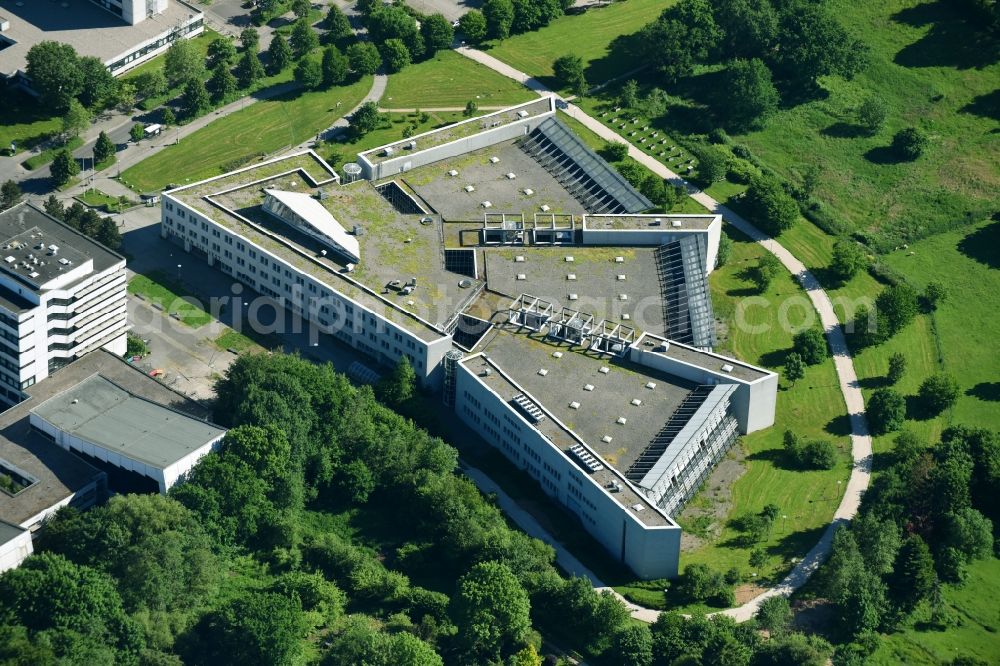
(14, 550)
(709, 226)
(74, 312)
(165, 477)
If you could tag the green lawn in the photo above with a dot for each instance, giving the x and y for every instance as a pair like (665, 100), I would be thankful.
(97, 199)
(450, 80)
(49, 154)
(238, 342)
(22, 120)
(977, 634)
(261, 129)
(967, 261)
(813, 408)
(171, 297)
(589, 36)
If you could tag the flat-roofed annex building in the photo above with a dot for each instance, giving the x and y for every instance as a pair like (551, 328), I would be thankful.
(104, 421)
(62, 295)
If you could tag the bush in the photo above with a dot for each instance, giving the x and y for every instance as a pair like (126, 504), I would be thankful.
(765, 271)
(769, 207)
(817, 454)
(872, 114)
(718, 136)
(741, 171)
(811, 345)
(937, 393)
(136, 346)
(848, 258)
(615, 151)
(886, 411)
(909, 143)
(743, 152)
(700, 583)
(712, 164)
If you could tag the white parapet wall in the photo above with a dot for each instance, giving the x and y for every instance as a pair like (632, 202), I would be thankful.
(15, 550)
(471, 134)
(652, 229)
(755, 399)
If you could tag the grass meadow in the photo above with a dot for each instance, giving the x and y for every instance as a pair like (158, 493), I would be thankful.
(260, 129)
(590, 36)
(450, 80)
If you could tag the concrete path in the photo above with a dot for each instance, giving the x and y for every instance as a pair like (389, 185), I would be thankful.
(861, 444)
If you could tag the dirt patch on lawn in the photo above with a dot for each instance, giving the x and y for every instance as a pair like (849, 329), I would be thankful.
(705, 515)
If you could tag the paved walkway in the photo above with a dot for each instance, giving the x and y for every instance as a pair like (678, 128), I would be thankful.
(861, 444)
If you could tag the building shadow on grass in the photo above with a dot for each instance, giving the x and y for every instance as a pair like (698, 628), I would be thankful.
(956, 38)
(983, 244)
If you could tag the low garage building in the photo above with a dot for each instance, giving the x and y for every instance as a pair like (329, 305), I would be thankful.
(101, 420)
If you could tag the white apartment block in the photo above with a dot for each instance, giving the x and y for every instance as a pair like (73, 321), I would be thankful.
(61, 295)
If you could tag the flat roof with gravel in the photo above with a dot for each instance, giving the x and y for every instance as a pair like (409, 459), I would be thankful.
(649, 222)
(448, 195)
(590, 283)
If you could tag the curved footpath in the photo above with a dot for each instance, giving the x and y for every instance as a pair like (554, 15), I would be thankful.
(861, 443)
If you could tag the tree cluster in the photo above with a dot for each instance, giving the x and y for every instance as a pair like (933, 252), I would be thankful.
(924, 518)
(60, 76)
(759, 41)
(104, 230)
(811, 454)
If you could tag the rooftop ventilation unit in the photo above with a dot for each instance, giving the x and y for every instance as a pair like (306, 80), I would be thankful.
(588, 387)
(556, 354)
(389, 151)
(619, 260)
(412, 145)
(487, 204)
(621, 420)
(469, 188)
(636, 402)
(727, 368)
(522, 276)
(622, 297)
(542, 372)
(359, 230)
(651, 385)
(494, 159)
(529, 408)
(607, 439)
(571, 276)
(522, 114)
(621, 277)
(528, 191)
(545, 208)
(511, 175)
(584, 456)
(519, 258)
(657, 222)
(573, 297)
(604, 370)
(569, 259)
(574, 405)
(452, 173)
(638, 507)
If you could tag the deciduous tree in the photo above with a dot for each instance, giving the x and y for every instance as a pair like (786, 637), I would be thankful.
(569, 70)
(753, 94)
(183, 62)
(491, 610)
(473, 26)
(886, 411)
(303, 38)
(364, 58)
(279, 54)
(64, 167)
(437, 33)
(104, 148)
(55, 74)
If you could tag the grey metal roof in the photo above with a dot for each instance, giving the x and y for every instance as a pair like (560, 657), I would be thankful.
(100, 412)
(615, 194)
